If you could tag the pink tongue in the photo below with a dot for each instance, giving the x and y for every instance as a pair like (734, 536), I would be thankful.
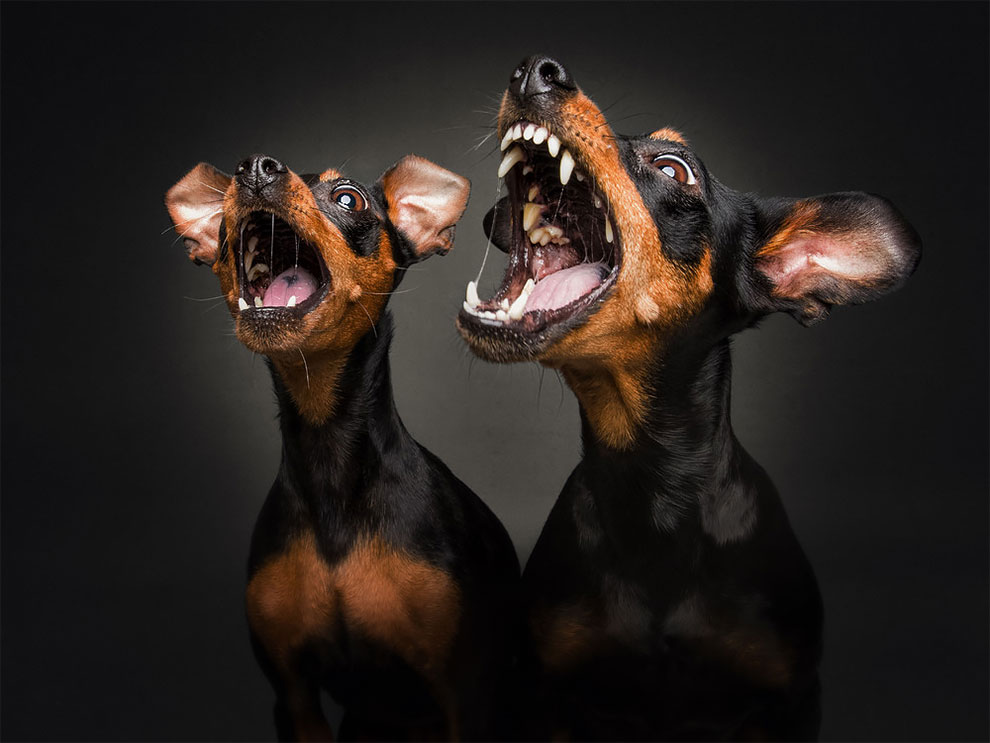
(296, 282)
(563, 287)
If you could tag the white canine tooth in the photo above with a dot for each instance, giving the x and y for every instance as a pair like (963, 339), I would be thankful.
(531, 214)
(536, 235)
(507, 139)
(505, 304)
(579, 175)
(553, 144)
(242, 305)
(540, 135)
(472, 294)
(528, 131)
(511, 158)
(608, 230)
(258, 302)
(517, 131)
(598, 202)
(566, 167)
(502, 316)
(534, 191)
(518, 307)
(527, 169)
(291, 302)
(545, 238)
(470, 310)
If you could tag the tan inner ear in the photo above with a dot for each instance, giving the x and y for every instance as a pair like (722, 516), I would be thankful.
(424, 203)
(195, 205)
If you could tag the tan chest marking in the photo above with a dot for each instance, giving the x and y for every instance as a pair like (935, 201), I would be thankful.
(387, 596)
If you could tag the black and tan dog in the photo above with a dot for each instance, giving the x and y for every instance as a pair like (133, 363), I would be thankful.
(374, 572)
(667, 596)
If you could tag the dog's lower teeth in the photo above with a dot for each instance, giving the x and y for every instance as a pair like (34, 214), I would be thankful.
(291, 302)
(258, 302)
(242, 304)
(531, 214)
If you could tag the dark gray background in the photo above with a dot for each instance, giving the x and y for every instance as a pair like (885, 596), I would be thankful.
(139, 436)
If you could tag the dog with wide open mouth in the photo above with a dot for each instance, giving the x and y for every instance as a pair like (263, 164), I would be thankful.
(374, 573)
(667, 596)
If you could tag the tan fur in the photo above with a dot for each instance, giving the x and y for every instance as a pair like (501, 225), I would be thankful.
(563, 636)
(671, 135)
(405, 604)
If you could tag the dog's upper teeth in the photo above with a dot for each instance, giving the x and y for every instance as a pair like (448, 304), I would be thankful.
(540, 135)
(256, 271)
(608, 230)
(566, 166)
(528, 131)
(517, 131)
(252, 243)
(553, 145)
(511, 158)
(579, 175)
(531, 213)
(242, 304)
(534, 191)
(598, 202)
(472, 294)
(536, 235)
(527, 169)
(507, 139)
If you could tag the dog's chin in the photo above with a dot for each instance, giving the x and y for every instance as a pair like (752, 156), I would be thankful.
(271, 330)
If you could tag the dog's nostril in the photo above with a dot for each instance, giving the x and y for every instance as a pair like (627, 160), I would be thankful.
(518, 73)
(270, 166)
(549, 72)
(243, 166)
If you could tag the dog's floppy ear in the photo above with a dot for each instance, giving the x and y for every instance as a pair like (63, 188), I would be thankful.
(424, 203)
(841, 248)
(196, 206)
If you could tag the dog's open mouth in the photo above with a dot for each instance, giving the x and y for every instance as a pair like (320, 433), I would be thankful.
(564, 250)
(277, 268)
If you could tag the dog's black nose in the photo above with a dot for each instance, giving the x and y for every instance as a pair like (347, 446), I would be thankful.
(538, 75)
(259, 171)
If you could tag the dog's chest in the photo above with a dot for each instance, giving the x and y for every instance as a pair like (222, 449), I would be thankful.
(390, 599)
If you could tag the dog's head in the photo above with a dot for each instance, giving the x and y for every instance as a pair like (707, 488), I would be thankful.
(620, 247)
(306, 262)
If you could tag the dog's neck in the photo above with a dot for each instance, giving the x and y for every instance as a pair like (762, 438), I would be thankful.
(326, 462)
(685, 471)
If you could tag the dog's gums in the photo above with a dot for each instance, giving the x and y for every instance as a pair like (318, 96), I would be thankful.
(564, 250)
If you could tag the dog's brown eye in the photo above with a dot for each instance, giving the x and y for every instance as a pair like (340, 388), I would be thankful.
(349, 198)
(673, 167)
